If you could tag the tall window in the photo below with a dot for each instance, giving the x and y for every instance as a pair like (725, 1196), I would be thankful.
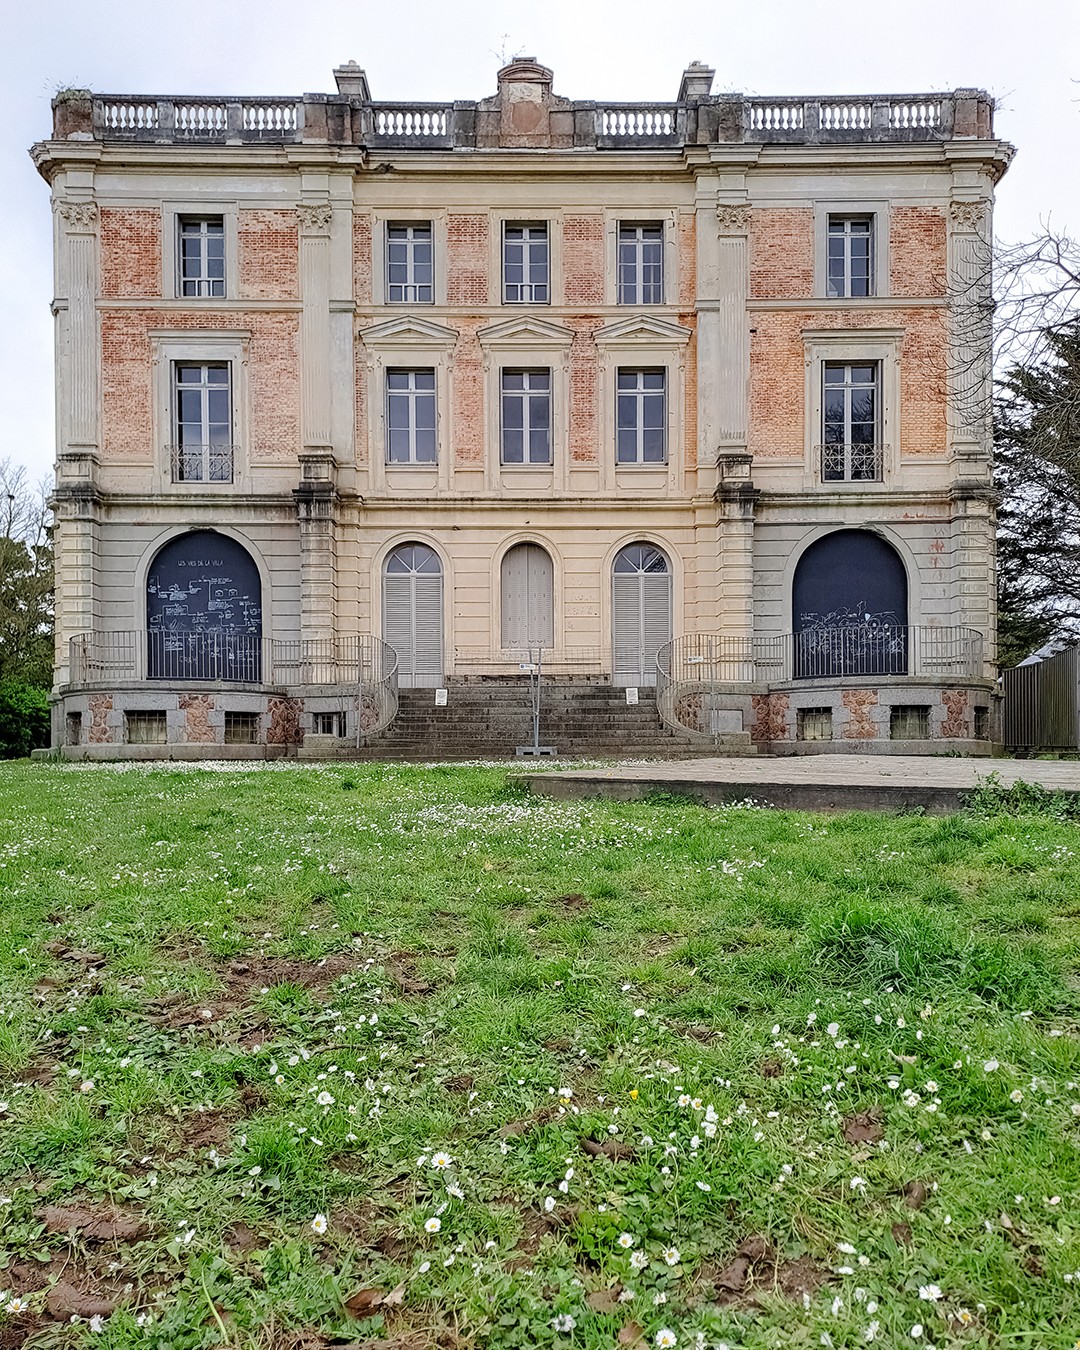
(526, 265)
(641, 417)
(409, 269)
(850, 442)
(410, 417)
(526, 417)
(850, 262)
(202, 256)
(202, 449)
(641, 264)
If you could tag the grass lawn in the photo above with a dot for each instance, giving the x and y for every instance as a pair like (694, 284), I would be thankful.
(391, 1056)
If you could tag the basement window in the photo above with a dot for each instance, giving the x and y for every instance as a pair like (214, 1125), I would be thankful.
(145, 728)
(910, 722)
(982, 723)
(814, 724)
(328, 724)
(241, 728)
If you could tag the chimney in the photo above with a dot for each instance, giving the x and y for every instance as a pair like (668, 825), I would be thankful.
(352, 82)
(697, 81)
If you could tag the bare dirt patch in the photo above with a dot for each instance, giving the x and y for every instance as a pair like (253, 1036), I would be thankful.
(74, 1290)
(94, 1223)
(757, 1268)
(865, 1127)
(402, 968)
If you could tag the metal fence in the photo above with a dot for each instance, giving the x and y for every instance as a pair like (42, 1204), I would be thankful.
(1042, 703)
(823, 653)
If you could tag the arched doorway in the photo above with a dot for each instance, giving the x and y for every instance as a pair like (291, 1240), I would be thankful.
(528, 597)
(849, 608)
(640, 613)
(204, 611)
(413, 614)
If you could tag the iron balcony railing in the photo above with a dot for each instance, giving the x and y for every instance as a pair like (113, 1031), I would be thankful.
(99, 659)
(851, 463)
(202, 463)
(706, 663)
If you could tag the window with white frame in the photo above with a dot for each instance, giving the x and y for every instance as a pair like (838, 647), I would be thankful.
(410, 417)
(850, 256)
(526, 416)
(851, 421)
(200, 256)
(409, 264)
(526, 265)
(641, 264)
(641, 417)
(202, 448)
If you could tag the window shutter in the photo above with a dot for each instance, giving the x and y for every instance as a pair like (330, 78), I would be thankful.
(641, 624)
(656, 621)
(427, 630)
(625, 628)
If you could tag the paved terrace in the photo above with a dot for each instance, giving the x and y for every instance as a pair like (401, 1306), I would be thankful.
(812, 782)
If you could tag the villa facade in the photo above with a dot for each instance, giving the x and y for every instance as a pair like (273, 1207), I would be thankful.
(686, 398)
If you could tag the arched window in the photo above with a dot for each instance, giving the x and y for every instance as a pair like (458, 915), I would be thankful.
(640, 613)
(528, 597)
(849, 607)
(413, 614)
(204, 610)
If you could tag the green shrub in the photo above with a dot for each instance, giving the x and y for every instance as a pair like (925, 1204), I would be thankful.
(24, 719)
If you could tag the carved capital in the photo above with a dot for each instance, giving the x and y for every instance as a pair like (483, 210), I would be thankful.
(968, 216)
(733, 219)
(315, 217)
(79, 217)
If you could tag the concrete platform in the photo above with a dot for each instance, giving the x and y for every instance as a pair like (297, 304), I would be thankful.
(812, 782)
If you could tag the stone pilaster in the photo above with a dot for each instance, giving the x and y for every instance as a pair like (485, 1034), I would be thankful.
(315, 220)
(732, 327)
(970, 377)
(736, 499)
(317, 508)
(76, 507)
(76, 500)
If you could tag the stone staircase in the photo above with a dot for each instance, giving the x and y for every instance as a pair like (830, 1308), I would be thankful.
(488, 719)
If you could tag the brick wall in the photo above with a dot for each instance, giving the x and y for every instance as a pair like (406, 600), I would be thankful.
(269, 255)
(918, 258)
(467, 435)
(127, 379)
(781, 253)
(130, 253)
(362, 259)
(687, 225)
(583, 260)
(467, 260)
(584, 392)
(778, 375)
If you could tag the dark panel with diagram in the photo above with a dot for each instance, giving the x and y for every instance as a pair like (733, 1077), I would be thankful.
(849, 606)
(204, 611)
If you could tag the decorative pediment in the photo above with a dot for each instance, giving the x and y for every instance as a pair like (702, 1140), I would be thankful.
(408, 330)
(526, 331)
(643, 330)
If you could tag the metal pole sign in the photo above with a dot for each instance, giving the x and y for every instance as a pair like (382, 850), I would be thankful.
(534, 667)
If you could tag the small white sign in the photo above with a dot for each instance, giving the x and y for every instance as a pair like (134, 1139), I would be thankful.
(631, 696)
(440, 698)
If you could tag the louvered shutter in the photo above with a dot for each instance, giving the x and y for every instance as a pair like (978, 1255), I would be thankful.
(412, 625)
(625, 628)
(656, 622)
(427, 630)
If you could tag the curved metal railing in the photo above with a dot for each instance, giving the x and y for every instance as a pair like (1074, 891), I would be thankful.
(698, 665)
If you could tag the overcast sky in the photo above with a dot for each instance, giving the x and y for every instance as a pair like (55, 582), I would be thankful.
(1026, 54)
